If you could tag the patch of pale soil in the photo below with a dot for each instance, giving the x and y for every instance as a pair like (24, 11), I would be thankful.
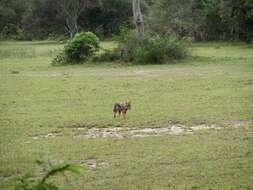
(145, 132)
(98, 72)
(46, 74)
(204, 126)
(106, 132)
(177, 129)
(47, 136)
(81, 73)
(238, 123)
(124, 132)
(150, 72)
(94, 164)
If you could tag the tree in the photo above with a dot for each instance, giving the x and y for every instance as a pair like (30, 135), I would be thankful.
(138, 18)
(43, 20)
(71, 11)
(203, 20)
(239, 16)
(107, 18)
(11, 14)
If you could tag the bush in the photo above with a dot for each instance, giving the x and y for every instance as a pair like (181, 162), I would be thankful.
(13, 32)
(60, 59)
(155, 49)
(108, 56)
(81, 47)
(149, 49)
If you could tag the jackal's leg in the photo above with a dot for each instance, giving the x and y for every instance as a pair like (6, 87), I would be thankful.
(119, 113)
(114, 114)
(124, 115)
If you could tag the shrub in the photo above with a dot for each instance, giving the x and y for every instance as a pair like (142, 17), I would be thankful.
(108, 56)
(81, 46)
(78, 49)
(13, 32)
(60, 59)
(155, 49)
(149, 49)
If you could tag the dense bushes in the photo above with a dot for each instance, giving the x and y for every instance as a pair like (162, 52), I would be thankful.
(13, 32)
(146, 50)
(203, 20)
(150, 49)
(81, 47)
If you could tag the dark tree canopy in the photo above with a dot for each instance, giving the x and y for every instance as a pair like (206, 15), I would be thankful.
(198, 19)
(203, 19)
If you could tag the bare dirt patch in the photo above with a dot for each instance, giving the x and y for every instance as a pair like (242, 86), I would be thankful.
(117, 132)
(238, 123)
(94, 164)
(172, 129)
(96, 72)
(106, 132)
(91, 131)
(53, 134)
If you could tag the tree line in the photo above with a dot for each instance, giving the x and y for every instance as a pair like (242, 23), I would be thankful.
(201, 20)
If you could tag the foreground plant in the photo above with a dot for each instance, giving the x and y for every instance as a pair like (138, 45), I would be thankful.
(28, 181)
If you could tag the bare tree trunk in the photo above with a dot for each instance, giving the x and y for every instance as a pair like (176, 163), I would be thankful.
(138, 18)
(71, 10)
(72, 26)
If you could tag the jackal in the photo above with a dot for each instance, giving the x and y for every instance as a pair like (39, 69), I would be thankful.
(121, 108)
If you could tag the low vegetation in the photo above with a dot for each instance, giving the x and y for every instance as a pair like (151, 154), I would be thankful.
(147, 50)
(152, 49)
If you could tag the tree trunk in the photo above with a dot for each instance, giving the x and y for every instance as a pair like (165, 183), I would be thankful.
(72, 26)
(138, 18)
(71, 10)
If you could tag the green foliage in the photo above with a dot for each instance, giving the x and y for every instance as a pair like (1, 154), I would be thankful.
(203, 20)
(108, 56)
(13, 32)
(27, 182)
(124, 32)
(150, 49)
(12, 12)
(159, 50)
(60, 59)
(78, 49)
(106, 19)
(40, 18)
(81, 46)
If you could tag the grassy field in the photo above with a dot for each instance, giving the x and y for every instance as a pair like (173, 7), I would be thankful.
(213, 86)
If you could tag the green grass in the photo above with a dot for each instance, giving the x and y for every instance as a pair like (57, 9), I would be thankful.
(214, 85)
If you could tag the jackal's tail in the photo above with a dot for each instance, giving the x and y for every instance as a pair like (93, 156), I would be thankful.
(115, 108)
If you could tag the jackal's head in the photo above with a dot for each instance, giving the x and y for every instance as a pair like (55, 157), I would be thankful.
(128, 104)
